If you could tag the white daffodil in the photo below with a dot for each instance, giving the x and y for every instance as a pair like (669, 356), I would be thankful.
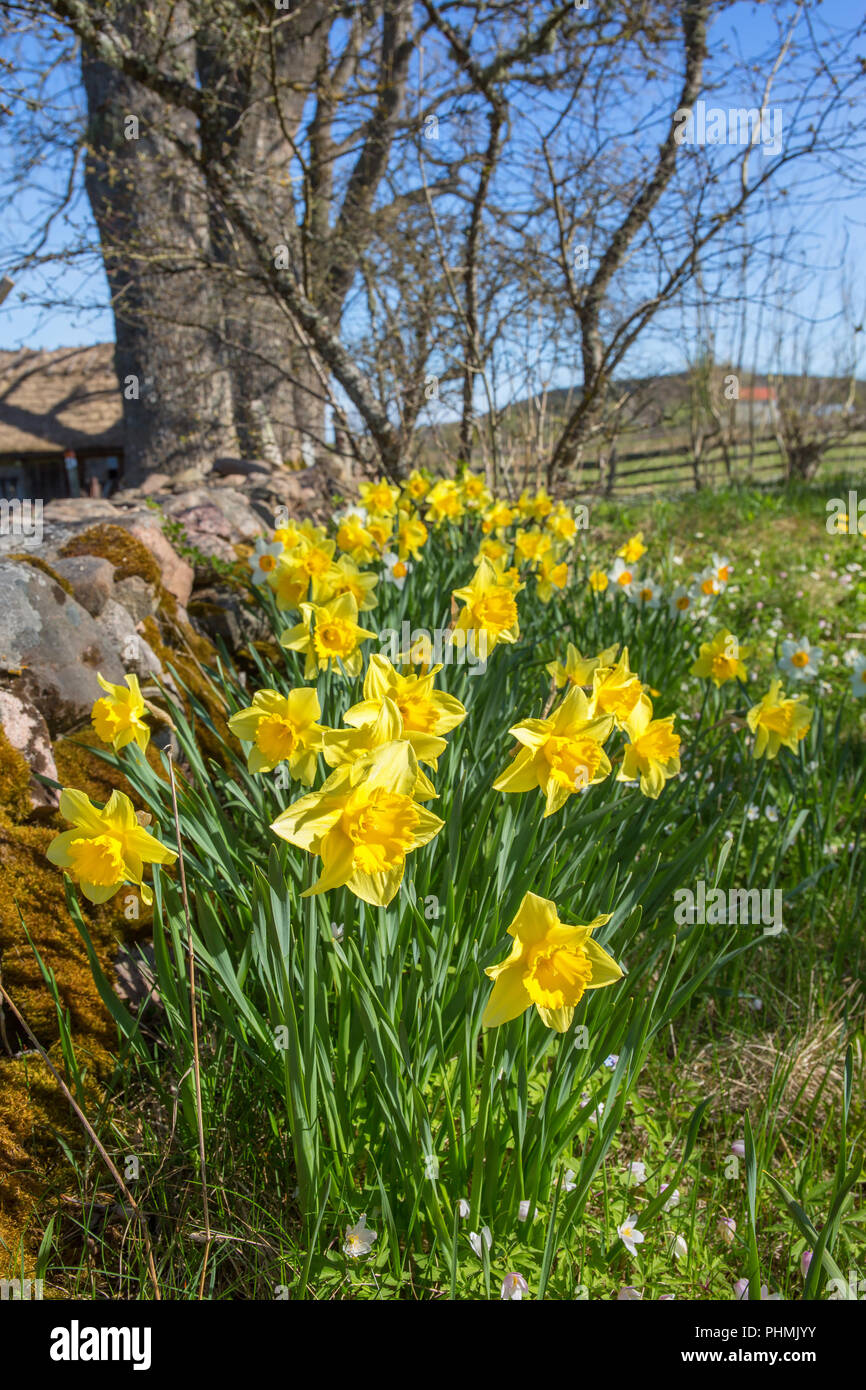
(707, 584)
(263, 560)
(645, 593)
(478, 1242)
(858, 677)
(800, 660)
(359, 1238)
(396, 569)
(629, 1234)
(514, 1286)
(681, 601)
(620, 577)
(722, 570)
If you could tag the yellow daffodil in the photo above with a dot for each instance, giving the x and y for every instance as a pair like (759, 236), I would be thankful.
(598, 581)
(531, 546)
(653, 753)
(561, 524)
(380, 528)
(721, 659)
(633, 549)
(473, 491)
(329, 636)
(444, 502)
(551, 576)
(423, 709)
(289, 581)
(551, 965)
(379, 498)
(106, 848)
(497, 518)
(561, 755)
(577, 669)
(384, 726)
(778, 722)
(489, 614)
(494, 549)
(345, 577)
(416, 486)
(117, 716)
(616, 690)
(411, 536)
(281, 728)
(354, 539)
(362, 823)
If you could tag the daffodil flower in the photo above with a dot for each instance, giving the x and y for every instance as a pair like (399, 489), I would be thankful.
(362, 823)
(263, 560)
(598, 581)
(379, 498)
(778, 722)
(561, 755)
(653, 752)
(423, 709)
(281, 728)
(341, 746)
(329, 636)
(396, 570)
(621, 576)
(616, 690)
(799, 659)
(551, 965)
(117, 717)
(106, 848)
(633, 549)
(577, 669)
(444, 502)
(721, 660)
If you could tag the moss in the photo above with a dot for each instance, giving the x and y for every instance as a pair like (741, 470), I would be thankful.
(14, 781)
(33, 909)
(128, 555)
(42, 565)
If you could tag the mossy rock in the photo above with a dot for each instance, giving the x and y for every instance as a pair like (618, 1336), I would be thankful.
(128, 555)
(14, 782)
(26, 559)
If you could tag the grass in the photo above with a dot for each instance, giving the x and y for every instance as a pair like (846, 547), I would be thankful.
(334, 1068)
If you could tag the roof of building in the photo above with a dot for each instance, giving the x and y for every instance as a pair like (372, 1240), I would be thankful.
(65, 399)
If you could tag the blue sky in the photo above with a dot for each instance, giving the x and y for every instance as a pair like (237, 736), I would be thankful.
(830, 231)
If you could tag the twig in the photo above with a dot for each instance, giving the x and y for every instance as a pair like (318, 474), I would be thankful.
(195, 1051)
(94, 1137)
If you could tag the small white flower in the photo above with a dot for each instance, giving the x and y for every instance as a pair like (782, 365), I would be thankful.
(514, 1286)
(679, 1249)
(523, 1212)
(772, 814)
(463, 1208)
(799, 659)
(629, 1295)
(637, 1172)
(566, 1182)
(476, 1240)
(752, 812)
(629, 1234)
(738, 1147)
(858, 677)
(359, 1239)
(673, 1200)
(263, 560)
(338, 931)
(727, 1229)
